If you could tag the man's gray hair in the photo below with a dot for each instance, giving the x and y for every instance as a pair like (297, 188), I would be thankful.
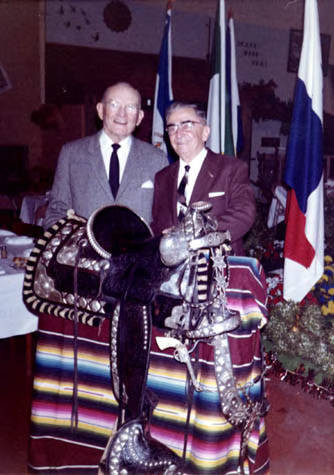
(180, 105)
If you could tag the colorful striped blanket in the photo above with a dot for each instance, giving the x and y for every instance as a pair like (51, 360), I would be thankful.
(210, 444)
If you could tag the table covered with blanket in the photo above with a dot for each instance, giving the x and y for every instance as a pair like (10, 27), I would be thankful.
(192, 425)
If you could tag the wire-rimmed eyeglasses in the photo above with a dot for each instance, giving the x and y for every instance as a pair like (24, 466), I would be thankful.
(115, 106)
(184, 125)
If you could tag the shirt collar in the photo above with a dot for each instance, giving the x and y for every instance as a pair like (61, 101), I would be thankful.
(106, 141)
(195, 163)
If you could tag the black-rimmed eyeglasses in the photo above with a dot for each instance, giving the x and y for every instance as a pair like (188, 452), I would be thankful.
(184, 125)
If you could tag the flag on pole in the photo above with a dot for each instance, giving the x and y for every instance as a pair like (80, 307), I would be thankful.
(304, 240)
(216, 101)
(228, 142)
(163, 87)
(236, 121)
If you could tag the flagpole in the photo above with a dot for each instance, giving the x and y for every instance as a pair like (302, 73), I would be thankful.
(229, 148)
(237, 129)
(222, 74)
(163, 95)
(234, 90)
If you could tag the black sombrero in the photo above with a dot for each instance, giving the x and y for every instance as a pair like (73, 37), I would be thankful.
(113, 230)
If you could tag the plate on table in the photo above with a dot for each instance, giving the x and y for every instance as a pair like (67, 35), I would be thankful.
(5, 233)
(19, 240)
(18, 246)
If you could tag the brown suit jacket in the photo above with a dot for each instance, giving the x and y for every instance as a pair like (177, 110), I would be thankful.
(223, 181)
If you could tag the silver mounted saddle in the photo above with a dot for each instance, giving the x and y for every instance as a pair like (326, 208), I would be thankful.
(112, 267)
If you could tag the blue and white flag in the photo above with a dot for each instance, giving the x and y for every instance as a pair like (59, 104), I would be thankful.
(163, 87)
(304, 239)
(216, 101)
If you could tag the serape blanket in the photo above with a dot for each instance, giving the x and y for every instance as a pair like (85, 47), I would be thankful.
(211, 445)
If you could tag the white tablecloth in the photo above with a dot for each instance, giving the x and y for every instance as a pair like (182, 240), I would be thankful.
(15, 319)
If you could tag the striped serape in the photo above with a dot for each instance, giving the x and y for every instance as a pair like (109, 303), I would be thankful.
(212, 444)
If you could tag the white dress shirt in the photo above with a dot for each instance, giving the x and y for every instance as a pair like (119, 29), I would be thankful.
(195, 166)
(123, 152)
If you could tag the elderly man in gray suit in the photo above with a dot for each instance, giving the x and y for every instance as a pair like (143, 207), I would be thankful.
(110, 167)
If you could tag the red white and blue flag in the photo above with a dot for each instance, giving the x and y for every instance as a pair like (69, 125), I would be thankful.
(304, 239)
(163, 96)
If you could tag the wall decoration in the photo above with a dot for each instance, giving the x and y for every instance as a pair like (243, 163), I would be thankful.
(117, 16)
(76, 18)
(295, 46)
(250, 49)
(5, 83)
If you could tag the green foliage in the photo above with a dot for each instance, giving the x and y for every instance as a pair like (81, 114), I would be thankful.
(301, 332)
(265, 104)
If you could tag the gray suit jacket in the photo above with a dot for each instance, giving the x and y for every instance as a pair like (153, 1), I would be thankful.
(81, 182)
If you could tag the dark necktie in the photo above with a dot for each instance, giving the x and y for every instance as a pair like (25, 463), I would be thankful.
(114, 170)
(181, 193)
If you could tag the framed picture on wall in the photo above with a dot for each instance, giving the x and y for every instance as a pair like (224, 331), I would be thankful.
(4, 80)
(295, 46)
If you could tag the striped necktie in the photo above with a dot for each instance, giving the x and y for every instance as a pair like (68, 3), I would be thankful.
(181, 198)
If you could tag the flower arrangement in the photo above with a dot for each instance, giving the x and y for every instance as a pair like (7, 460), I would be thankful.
(300, 334)
(324, 288)
(299, 338)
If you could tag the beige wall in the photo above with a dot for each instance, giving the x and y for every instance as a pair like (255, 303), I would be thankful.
(265, 24)
(21, 53)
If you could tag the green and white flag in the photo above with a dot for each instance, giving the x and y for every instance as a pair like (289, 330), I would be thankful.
(217, 92)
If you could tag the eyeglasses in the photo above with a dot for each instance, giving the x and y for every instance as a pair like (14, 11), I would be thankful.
(184, 125)
(129, 108)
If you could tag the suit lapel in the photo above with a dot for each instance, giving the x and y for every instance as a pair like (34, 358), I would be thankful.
(205, 178)
(131, 171)
(171, 184)
(97, 165)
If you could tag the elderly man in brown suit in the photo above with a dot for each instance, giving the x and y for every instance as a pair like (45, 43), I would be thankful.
(201, 175)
